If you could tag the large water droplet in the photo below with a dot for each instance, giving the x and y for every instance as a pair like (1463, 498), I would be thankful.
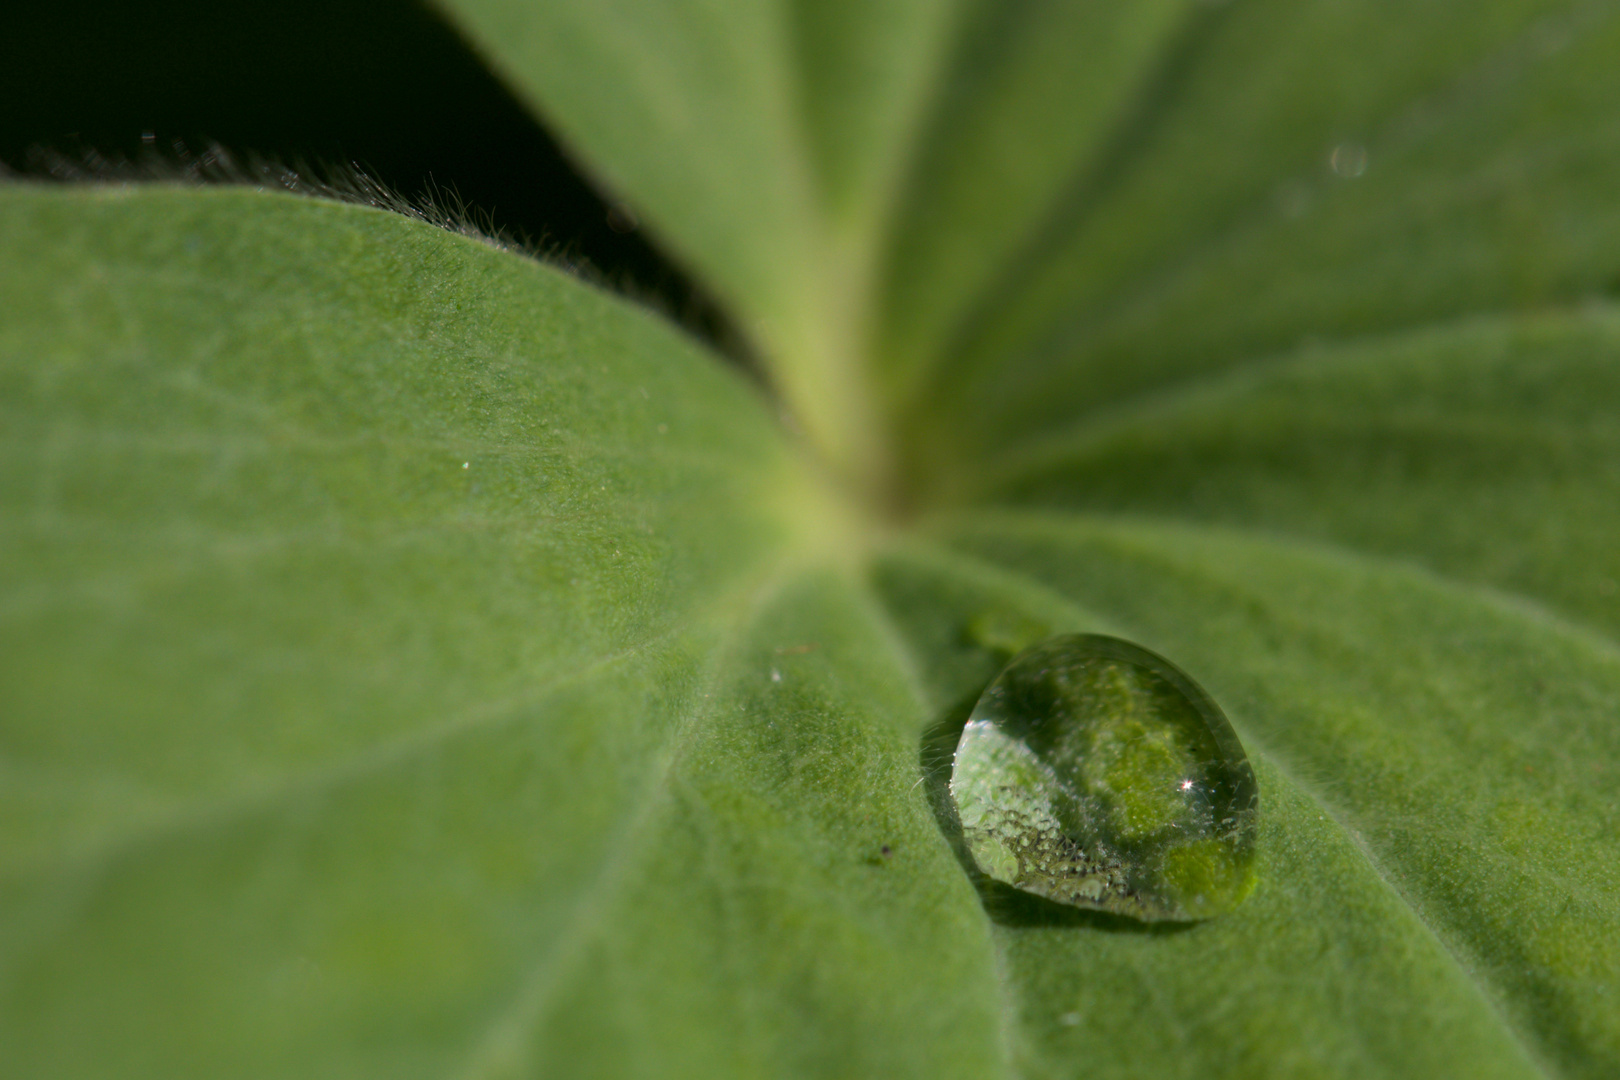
(1096, 773)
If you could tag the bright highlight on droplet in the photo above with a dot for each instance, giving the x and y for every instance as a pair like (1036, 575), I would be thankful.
(1096, 773)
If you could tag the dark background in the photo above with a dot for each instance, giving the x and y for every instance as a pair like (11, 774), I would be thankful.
(385, 85)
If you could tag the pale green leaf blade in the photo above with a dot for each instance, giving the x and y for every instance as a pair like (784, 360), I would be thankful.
(1034, 99)
(401, 645)
(1439, 776)
(869, 74)
(691, 112)
(1477, 164)
(1487, 451)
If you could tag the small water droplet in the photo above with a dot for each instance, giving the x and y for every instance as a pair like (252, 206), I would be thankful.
(1349, 160)
(776, 676)
(1096, 773)
(1005, 631)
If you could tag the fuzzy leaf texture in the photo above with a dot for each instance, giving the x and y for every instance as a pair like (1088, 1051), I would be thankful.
(415, 662)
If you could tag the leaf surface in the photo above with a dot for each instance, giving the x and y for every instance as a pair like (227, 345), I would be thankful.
(1476, 151)
(1441, 762)
(1486, 450)
(766, 142)
(417, 663)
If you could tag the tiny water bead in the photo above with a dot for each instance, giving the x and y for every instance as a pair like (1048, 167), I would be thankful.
(1096, 773)
(1005, 632)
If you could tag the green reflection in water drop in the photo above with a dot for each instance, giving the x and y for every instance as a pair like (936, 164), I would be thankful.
(1096, 773)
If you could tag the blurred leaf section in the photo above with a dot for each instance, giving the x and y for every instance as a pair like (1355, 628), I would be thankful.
(1486, 450)
(848, 175)
(1037, 98)
(763, 142)
(1477, 149)
(1073, 195)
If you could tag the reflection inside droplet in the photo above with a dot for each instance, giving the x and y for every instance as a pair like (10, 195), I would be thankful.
(1096, 773)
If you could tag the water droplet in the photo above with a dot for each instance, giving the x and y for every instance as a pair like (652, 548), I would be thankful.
(1005, 631)
(1348, 160)
(1096, 773)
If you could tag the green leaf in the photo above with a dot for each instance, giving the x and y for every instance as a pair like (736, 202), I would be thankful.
(1438, 775)
(1222, 233)
(1484, 450)
(416, 663)
(765, 142)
